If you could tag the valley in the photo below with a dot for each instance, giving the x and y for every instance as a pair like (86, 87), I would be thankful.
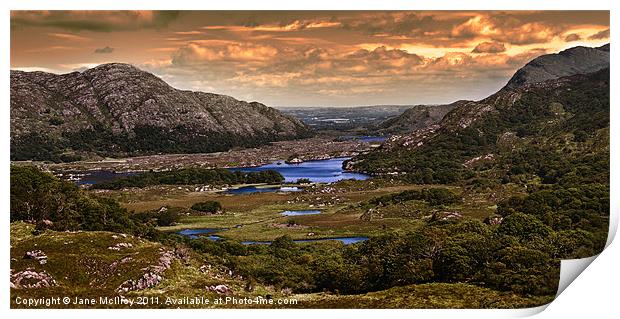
(467, 205)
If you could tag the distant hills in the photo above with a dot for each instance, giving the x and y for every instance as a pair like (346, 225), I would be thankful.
(549, 112)
(118, 110)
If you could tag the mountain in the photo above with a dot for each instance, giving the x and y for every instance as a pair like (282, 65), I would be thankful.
(577, 60)
(353, 119)
(549, 130)
(416, 117)
(117, 110)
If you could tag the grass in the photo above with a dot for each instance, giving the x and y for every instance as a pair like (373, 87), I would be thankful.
(255, 217)
(424, 296)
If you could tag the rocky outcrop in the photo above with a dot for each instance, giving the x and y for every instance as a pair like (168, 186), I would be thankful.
(119, 102)
(29, 278)
(37, 255)
(153, 274)
(415, 118)
(577, 60)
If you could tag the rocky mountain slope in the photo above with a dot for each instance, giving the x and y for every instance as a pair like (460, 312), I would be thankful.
(563, 118)
(117, 109)
(415, 118)
(577, 60)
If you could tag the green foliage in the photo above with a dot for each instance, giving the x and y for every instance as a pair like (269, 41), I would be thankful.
(144, 140)
(189, 176)
(434, 196)
(524, 227)
(167, 218)
(37, 196)
(208, 206)
(538, 148)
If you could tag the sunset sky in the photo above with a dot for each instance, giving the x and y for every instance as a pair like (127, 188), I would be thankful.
(308, 58)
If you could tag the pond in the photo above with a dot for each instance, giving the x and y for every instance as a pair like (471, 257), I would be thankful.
(319, 171)
(300, 212)
(254, 189)
(94, 177)
(201, 233)
(208, 233)
(344, 240)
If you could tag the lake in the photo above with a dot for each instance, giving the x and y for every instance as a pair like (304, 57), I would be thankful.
(95, 177)
(207, 233)
(320, 171)
(300, 212)
(201, 233)
(344, 240)
(254, 189)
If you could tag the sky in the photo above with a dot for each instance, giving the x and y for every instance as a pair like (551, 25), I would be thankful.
(308, 58)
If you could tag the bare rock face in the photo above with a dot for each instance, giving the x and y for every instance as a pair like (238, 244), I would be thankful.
(29, 278)
(415, 118)
(116, 108)
(153, 274)
(577, 60)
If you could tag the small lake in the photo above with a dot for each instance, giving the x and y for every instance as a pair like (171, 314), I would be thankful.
(94, 177)
(344, 240)
(254, 189)
(208, 233)
(300, 212)
(201, 233)
(320, 171)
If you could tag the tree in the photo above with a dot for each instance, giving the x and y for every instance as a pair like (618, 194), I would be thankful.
(524, 227)
(208, 206)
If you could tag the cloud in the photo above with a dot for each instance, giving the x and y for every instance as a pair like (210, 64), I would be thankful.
(600, 35)
(69, 37)
(296, 25)
(98, 21)
(205, 51)
(572, 37)
(104, 50)
(489, 47)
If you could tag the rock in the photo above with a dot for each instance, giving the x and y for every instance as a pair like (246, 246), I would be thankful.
(220, 289)
(577, 60)
(29, 278)
(147, 280)
(153, 273)
(120, 246)
(37, 255)
(294, 160)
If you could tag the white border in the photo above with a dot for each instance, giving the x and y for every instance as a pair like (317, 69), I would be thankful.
(594, 292)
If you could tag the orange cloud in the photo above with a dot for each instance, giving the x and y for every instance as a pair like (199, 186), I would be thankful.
(70, 37)
(489, 47)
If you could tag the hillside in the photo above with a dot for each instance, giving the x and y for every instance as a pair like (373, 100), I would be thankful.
(117, 109)
(415, 118)
(577, 60)
(565, 119)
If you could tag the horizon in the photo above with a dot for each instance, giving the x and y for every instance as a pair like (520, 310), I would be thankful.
(305, 59)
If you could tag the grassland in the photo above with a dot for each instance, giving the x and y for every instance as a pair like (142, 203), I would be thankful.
(256, 217)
